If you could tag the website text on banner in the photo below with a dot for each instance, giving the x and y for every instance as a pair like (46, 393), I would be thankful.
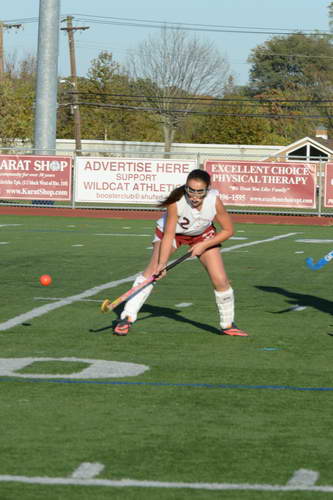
(35, 177)
(328, 197)
(265, 184)
(128, 180)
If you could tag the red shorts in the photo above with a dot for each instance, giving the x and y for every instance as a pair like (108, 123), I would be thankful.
(184, 239)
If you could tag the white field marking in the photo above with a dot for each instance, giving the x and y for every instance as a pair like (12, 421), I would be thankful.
(78, 245)
(6, 225)
(120, 234)
(88, 470)
(184, 304)
(97, 368)
(238, 238)
(39, 311)
(61, 298)
(3, 242)
(300, 251)
(71, 225)
(303, 477)
(251, 243)
(149, 248)
(127, 227)
(240, 231)
(314, 241)
(297, 308)
(126, 483)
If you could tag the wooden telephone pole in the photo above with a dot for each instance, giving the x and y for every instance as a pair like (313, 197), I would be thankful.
(4, 26)
(75, 99)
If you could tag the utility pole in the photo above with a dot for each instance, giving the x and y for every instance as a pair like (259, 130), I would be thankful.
(75, 99)
(2, 57)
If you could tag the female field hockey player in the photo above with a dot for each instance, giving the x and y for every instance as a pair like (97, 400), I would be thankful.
(191, 210)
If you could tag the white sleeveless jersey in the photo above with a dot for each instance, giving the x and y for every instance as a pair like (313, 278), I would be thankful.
(190, 220)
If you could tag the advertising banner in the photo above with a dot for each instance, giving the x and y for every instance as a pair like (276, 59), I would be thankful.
(328, 186)
(264, 184)
(35, 177)
(128, 180)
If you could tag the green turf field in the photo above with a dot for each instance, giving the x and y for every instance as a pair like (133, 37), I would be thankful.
(204, 416)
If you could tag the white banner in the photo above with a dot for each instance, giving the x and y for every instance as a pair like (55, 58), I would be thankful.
(128, 180)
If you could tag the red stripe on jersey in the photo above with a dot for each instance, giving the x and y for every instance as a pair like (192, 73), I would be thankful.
(185, 239)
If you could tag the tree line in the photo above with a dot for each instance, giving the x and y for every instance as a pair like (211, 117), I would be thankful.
(178, 88)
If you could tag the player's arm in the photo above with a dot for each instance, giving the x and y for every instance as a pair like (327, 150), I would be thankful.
(223, 219)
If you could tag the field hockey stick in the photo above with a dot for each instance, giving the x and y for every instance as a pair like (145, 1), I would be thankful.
(321, 262)
(136, 289)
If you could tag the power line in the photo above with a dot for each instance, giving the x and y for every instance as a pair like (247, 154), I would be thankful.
(204, 113)
(25, 20)
(198, 29)
(148, 23)
(124, 21)
(208, 99)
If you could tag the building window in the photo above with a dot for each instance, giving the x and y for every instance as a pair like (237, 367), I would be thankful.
(307, 153)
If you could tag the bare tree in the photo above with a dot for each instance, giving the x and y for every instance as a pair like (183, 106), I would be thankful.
(330, 16)
(24, 68)
(172, 68)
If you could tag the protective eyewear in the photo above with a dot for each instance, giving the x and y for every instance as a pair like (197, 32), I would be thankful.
(199, 193)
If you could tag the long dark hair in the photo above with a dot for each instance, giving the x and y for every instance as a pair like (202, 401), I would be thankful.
(178, 192)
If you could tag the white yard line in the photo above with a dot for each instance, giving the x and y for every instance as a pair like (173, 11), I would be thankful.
(6, 225)
(61, 298)
(251, 243)
(314, 241)
(125, 483)
(39, 311)
(120, 234)
(85, 475)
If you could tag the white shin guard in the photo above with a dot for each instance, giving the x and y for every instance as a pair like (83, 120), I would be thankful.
(226, 307)
(133, 305)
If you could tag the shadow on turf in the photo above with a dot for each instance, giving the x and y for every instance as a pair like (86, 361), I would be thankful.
(323, 305)
(166, 312)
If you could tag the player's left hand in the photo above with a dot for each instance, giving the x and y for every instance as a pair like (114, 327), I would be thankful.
(198, 249)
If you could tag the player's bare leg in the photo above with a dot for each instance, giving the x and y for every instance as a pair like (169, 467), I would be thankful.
(133, 305)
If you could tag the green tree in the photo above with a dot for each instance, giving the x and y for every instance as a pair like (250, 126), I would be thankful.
(292, 61)
(102, 70)
(16, 111)
(110, 105)
(289, 114)
(229, 122)
(17, 93)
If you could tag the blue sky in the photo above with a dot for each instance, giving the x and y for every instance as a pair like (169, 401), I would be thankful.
(303, 15)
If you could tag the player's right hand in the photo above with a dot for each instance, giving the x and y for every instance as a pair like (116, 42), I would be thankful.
(160, 271)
